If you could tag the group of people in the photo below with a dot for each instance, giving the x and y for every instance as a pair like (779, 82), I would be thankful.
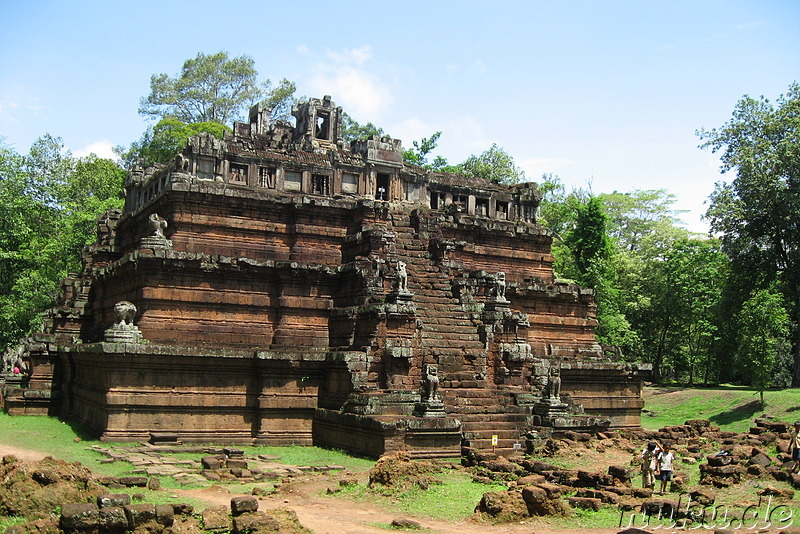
(657, 460)
(657, 463)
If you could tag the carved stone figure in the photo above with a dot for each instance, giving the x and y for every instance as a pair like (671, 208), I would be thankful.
(181, 163)
(123, 330)
(500, 286)
(125, 312)
(554, 384)
(157, 225)
(156, 238)
(402, 277)
(430, 384)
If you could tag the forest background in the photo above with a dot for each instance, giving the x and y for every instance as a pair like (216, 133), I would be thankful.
(701, 309)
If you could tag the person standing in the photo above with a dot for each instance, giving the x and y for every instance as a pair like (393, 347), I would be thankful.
(794, 446)
(649, 465)
(665, 460)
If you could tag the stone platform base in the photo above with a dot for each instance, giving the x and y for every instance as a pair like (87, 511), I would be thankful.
(420, 437)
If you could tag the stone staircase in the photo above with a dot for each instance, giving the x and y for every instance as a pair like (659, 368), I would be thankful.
(450, 338)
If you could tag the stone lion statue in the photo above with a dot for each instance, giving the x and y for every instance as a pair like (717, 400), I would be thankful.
(125, 312)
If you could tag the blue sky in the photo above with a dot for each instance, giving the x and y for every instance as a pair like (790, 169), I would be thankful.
(607, 94)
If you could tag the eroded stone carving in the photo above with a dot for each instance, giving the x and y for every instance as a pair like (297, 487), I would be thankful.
(123, 330)
(431, 404)
(402, 277)
(500, 287)
(430, 384)
(156, 239)
(553, 388)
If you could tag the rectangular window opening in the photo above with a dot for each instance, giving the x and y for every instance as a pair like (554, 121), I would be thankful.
(482, 207)
(266, 177)
(382, 187)
(238, 173)
(293, 181)
(320, 184)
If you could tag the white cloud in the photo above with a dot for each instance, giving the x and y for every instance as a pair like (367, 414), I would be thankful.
(535, 167)
(461, 135)
(102, 149)
(357, 56)
(343, 75)
(14, 107)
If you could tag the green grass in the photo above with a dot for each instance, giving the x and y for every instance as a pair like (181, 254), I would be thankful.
(6, 521)
(729, 407)
(62, 440)
(312, 456)
(452, 500)
(53, 437)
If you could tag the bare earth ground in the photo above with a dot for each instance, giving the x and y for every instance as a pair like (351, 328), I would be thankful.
(330, 515)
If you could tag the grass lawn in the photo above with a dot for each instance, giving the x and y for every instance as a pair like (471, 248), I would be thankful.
(731, 408)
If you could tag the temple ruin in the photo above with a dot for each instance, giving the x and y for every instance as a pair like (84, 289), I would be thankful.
(279, 286)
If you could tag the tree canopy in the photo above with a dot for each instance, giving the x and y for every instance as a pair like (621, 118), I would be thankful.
(758, 212)
(161, 142)
(49, 202)
(214, 88)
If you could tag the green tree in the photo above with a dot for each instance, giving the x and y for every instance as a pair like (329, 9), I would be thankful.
(639, 213)
(352, 130)
(49, 202)
(763, 338)
(214, 88)
(160, 143)
(758, 212)
(494, 165)
(679, 325)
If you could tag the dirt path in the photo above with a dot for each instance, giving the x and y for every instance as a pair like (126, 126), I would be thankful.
(326, 515)
(26, 455)
(330, 515)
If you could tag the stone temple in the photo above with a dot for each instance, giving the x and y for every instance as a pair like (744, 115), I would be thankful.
(282, 287)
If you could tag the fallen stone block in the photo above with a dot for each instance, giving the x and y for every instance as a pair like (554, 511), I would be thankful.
(139, 514)
(585, 503)
(242, 504)
(216, 518)
(79, 516)
(113, 499)
(133, 482)
(113, 519)
(182, 509)
(212, 462)
(236, 463)
(165, 515)
(620, 473)
(255, 523)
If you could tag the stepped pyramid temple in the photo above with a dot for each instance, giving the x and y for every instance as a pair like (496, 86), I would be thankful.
(280, 286)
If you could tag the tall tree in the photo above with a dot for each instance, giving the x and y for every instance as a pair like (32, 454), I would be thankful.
(495, 165)
(49, 202)
(161, 142)
(214, 88)
(353, 130)
(763, 330)
(758, 213)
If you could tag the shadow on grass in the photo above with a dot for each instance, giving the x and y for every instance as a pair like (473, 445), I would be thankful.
(745, 411)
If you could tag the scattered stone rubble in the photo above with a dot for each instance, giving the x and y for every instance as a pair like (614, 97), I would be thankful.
(87, 506)
(217, 464)
(728, 458)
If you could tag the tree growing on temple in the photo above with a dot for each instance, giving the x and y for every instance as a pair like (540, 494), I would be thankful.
(494, 164)
(215, 88)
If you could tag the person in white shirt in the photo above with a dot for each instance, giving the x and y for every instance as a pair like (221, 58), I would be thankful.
(665, 459)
